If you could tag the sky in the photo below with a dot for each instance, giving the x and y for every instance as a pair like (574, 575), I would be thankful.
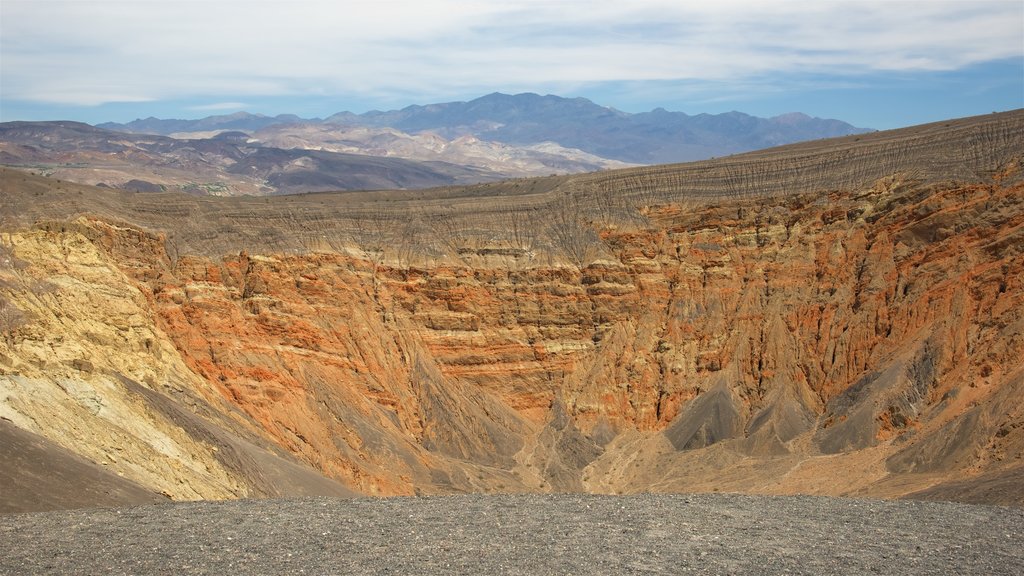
(875, 64)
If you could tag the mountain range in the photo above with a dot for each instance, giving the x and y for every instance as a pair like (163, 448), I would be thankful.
(654, 137)
(280, 159)
(487, 139)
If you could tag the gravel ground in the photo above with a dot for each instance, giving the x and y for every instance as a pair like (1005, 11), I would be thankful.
(552, 534)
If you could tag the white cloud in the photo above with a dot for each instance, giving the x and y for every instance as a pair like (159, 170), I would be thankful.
(220, 106)
(96, 51)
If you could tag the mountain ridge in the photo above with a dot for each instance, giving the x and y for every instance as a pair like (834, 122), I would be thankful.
(655, 137)
(278, 159)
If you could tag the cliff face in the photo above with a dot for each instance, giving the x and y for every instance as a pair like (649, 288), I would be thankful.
(861, 342)
(83, 364)
(836, 344)
(842, 317)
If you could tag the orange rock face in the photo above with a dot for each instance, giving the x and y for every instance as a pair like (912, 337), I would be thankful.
(823, 318)
(881, 332)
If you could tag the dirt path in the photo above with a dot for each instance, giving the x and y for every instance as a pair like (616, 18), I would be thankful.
(562, 534)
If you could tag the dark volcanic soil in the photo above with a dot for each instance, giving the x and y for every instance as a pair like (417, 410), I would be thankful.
(559, 534)
(37, 474)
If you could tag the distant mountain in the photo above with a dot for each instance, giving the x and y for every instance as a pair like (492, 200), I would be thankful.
(654, 137)
(490, 138)
(243, 121)
(226, 165)
(278, 159)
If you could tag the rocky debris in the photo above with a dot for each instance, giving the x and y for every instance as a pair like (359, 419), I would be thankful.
(554, 534)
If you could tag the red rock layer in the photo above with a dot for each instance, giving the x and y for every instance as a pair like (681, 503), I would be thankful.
(851, 319)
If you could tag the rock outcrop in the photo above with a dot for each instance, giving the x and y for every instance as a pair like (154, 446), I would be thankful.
(859, 340)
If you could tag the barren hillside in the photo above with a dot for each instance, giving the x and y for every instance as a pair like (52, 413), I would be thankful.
(838, 317)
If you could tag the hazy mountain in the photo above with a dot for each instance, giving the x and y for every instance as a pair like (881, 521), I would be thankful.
(540, 159)
(655, 137)
(279, 159)
(243, 121)
(225, 165)
(652, 137)
(490, 138)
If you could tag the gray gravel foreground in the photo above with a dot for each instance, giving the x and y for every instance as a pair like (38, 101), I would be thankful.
(548, 534)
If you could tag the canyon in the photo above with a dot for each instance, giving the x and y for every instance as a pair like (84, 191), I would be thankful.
(842, 317)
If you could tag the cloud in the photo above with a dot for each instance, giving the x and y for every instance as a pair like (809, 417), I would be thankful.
(219, 106)
(97, 51)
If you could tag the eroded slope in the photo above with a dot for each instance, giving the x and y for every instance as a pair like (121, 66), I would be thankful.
(862, 339)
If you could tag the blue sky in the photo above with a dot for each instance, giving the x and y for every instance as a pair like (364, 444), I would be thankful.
(874, 64)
